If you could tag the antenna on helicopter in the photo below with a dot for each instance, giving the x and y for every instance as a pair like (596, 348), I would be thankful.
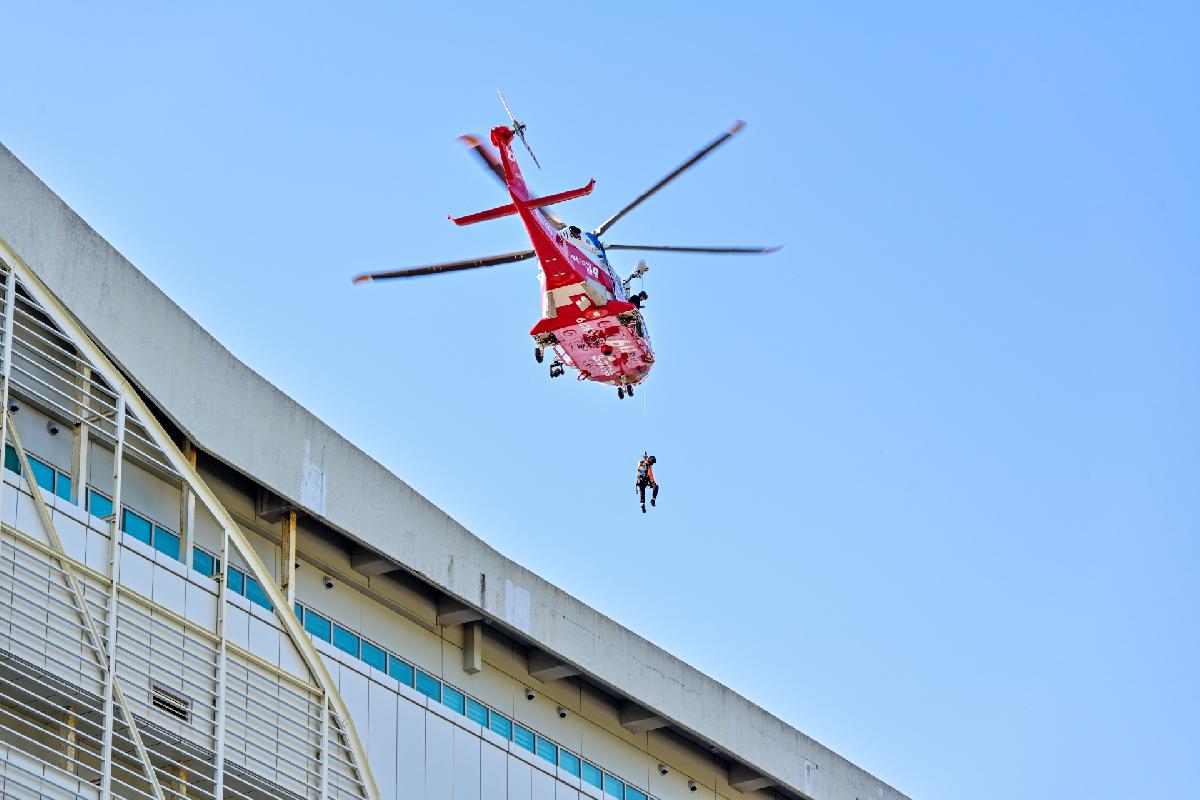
(518, 129)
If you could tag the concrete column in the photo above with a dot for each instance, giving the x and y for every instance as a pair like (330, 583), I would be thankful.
(473, 647)
(187, 507)
(287, 558)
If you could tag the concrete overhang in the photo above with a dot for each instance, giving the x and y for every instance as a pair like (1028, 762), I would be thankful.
(259, 431)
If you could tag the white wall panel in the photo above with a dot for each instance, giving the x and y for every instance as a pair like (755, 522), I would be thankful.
(200, 607)
(466, 765)
(542, 786)
(169, 590)
(237, 624)
(263, 640)
(72, 534)
(379, 737)
(137, 573)
(564, 792)
(439, 758)
(520, 777)
(493, 772)
(353, 688)
(410, 749)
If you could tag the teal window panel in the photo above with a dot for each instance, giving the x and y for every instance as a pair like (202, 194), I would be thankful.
(166, 542)
(137, 526)
(614, 787)
(315, 624)
(523, 737)
(62, 487)
(43, 474)
(255, 593)
(569, 762)
(299, 612)
(345, 641)
(99, 505)
(547, 750)
(500, 724)
(204, 562)
(373, 656)
(634, 794)
(477, 712)
(429, 685)
(400, 670)
(237, 582)
(11, 462)
(592, 774)
(453, 698)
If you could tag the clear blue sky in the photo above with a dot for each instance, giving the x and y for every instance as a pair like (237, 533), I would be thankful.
(930, 474)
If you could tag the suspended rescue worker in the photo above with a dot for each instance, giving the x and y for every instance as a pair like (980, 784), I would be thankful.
(645, 477)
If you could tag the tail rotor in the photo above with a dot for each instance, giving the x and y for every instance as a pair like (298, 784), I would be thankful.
(518, 129)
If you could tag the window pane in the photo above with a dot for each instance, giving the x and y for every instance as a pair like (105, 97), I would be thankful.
(299, 612)
(569, 762)
(614, 787)
(63, 487)
(237, 582)
(477, 712)
(523, 737)
(43, 474)
(500, 725)
(166, 542)
(634, 794)
(374, 656)
(99, 505)
(315, 624)
(255, 593)
(429, 685)
(11, 462)
(592, 775)
(136, 526)
(345, 640)
(454, 699)
(547, 750)
(400, 670)
(203, 562)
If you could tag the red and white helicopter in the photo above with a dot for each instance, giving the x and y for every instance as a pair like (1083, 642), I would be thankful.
(590, 319)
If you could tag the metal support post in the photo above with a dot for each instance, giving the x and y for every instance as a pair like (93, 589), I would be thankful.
(222, 577)
(114, 576)
(287, 558)
(10, 306)
(323, 787)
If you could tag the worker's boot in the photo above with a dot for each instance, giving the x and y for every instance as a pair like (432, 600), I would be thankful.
(644, 506)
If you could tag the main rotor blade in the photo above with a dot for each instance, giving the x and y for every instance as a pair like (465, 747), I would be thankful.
(668, 249)
(713, 145)
(449, 266)
(492, 165)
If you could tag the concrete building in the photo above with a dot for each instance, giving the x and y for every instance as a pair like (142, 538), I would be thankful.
(205, 591)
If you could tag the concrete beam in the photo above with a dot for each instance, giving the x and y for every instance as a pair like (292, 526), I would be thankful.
(636, 719)
(473, 647)
(745, 779)
(546, 667)
(452, 612)
(369, 563)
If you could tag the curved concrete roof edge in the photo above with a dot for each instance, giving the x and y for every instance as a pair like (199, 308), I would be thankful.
(263, 433)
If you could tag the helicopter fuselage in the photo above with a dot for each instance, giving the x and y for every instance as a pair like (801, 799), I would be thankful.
(587, 318)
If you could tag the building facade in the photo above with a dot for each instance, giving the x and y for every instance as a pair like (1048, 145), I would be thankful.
(212, 594)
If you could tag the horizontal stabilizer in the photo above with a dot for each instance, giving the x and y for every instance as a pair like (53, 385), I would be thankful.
(531, 204)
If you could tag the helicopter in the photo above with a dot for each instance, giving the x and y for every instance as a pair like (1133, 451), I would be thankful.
(592, 320)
